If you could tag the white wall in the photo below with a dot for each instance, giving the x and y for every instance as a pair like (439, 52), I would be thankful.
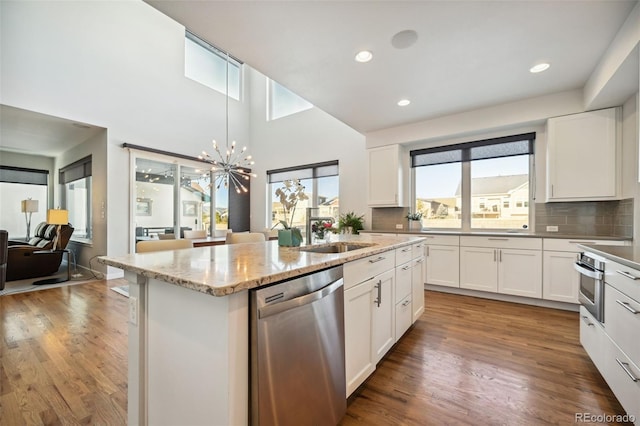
(310, 136)
(118, 65)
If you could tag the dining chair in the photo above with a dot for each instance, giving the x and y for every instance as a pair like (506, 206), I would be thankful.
(161, 245)
(244, 237)
(201, 233)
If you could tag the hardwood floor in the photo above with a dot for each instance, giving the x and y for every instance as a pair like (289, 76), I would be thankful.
(466, 361)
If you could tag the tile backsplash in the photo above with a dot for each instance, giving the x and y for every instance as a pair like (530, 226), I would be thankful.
(598, 218)
(584, 218)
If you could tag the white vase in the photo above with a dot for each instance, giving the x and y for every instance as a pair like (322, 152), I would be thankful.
(415, 225)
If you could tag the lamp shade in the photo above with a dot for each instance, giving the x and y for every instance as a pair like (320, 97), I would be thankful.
(29, 206)
(57, 217)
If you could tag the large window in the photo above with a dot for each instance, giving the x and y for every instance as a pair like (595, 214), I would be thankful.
(76, 179)
(283, 102)
(17, 184)
(321, 182)
(208, 65)
(476, 185)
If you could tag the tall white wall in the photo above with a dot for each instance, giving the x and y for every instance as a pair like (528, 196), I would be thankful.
(310, 136)
(118, 65)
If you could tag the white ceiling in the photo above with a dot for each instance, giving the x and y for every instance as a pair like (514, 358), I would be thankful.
(33, 133)
(468, 54)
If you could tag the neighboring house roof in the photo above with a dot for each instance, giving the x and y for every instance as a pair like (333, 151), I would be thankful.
(496, 184)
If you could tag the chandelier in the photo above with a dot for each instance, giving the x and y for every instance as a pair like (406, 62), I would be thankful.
(230, 167)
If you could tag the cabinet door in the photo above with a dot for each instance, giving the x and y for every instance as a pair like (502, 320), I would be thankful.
(383, 317)
(443, 265)
(520, 272)
(417, 293)
(358, 310)
(403, 316)
(403, 281)
(385, 176)
(582, 156)
(593, 339)
(560, 281)
(622, 322)
(478, 268)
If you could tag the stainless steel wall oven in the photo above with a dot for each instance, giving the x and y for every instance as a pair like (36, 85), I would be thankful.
(591, 294)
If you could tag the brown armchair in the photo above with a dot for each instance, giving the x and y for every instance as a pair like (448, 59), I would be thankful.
(35, 258)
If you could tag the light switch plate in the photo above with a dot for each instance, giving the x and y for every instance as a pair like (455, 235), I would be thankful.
(133, 310)
(552, 229)
(399, 226)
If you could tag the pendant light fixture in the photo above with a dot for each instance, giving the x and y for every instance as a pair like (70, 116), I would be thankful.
(229, 165)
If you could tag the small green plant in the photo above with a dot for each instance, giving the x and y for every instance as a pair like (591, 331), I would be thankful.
(351, 220)
(414, 216)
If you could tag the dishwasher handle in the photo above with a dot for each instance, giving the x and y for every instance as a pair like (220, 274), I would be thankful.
(277, 308)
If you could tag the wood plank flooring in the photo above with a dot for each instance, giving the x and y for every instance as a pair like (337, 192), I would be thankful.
(466, 361)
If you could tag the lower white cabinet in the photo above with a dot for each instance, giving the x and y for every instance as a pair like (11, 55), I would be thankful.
(417, 291)
(443, 265)
(593, 339)
(358, 311)
(623, 377)
(560, 281)
(403, 316)
(383, 316)
(520, 272)
(479, 268)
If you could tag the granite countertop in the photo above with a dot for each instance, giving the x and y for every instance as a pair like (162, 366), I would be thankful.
(625, 255)
(500, 234)
(225, 269)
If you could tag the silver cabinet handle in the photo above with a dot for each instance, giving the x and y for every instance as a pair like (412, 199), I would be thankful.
(429, 236)
(499, 255)
(378, 300)
(406, 302)
(420, 260)
(583, 242)
(427, 250)
(376, 260)
(552, 190)
(406, 250)
(494, 255)
(627, 307)
(628, 275)
(625, 367)
(585, 319)
(406, 268)
(498, 239)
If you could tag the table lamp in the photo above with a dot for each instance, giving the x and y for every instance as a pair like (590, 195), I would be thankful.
(57, 217)
(28, 207)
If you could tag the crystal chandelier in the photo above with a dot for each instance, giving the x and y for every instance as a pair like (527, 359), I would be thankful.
(231, 166)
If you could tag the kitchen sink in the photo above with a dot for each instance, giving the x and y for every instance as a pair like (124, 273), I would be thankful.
(336, 247)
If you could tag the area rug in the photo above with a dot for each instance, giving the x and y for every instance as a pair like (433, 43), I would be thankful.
(121, 289)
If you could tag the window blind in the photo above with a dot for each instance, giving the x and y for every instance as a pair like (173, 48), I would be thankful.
(308, 171)
(21, 175)
(506, 146)
(74, 171)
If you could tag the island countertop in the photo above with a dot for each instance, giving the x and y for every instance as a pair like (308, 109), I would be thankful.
(227, 269)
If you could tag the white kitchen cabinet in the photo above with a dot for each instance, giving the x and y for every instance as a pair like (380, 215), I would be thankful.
(386, 176)
(442, 257)
(417, 293)
(502, 265)
(383, 316)
(583, 156)
(560, 281)
(403, 316)
(593, 339)
(358, 312)
(622, 322)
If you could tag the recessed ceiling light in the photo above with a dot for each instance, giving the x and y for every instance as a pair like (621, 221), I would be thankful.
(404, 102)
(364, 56)
(539, 68)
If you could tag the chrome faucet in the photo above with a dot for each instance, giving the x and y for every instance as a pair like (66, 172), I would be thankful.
(312, 218)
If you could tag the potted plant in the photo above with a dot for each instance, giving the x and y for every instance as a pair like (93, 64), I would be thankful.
(350, 223)
(415, 221)
(289, 194)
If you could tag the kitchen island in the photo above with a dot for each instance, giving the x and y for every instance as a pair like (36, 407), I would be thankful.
(189, 323)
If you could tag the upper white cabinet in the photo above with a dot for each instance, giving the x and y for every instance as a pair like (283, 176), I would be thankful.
(386, 176)
(583, 156)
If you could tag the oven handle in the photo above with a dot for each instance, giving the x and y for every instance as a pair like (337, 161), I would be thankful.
(596, 275)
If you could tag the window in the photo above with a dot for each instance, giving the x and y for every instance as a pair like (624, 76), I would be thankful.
(283, 102)
(17, 184)
(208, 65)
(321, 182)
(475, 185)
(76, 179)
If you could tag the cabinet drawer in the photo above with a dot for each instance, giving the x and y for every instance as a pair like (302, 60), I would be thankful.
(404, 255)
(558, 244)
(417, 250)
(403, 316)
(623, 279)
(502, 242)
(443, 240)
(621, 323)
(362, 269)
(620, 375)
(593, 339)
(403, 281)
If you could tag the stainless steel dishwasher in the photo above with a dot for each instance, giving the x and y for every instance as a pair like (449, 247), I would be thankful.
(297, 351)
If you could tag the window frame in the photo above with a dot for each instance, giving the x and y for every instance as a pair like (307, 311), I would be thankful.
(465, 180)
(79, 170)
